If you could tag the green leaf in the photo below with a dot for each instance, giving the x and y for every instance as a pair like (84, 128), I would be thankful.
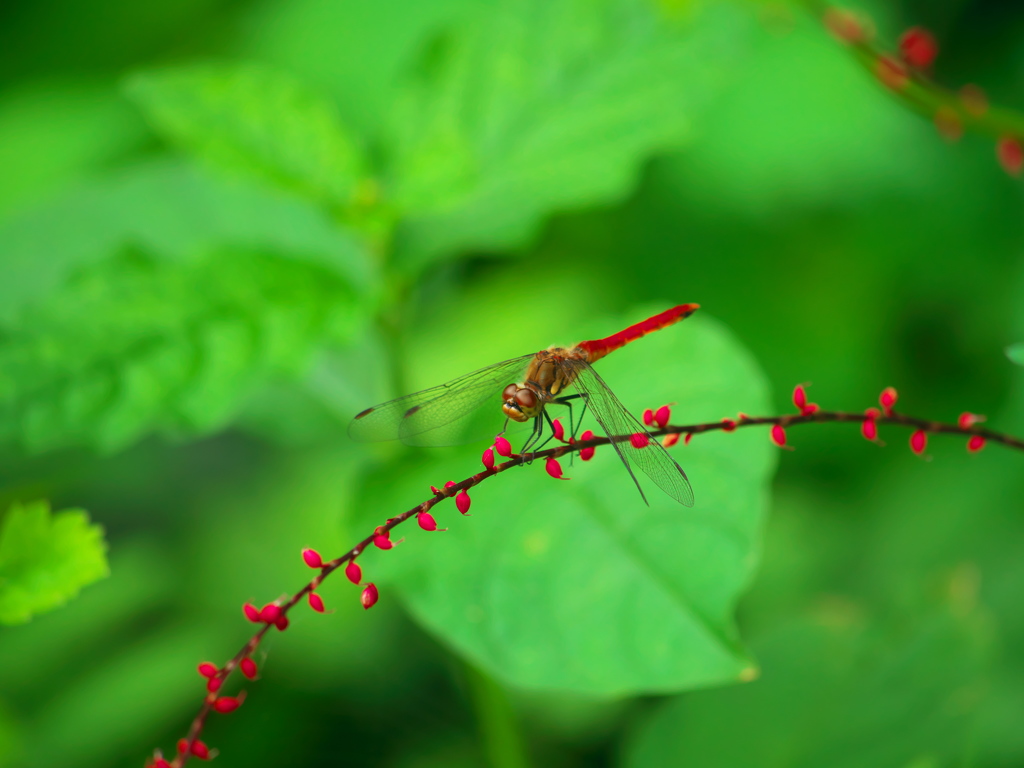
(577, 586)
(45, 559)
(536, 106)
(835, 692)
(139, 344)
(254, 120)
(1016, 353)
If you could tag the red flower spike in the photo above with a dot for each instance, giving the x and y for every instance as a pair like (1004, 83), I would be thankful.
(845, 26)
(200, 750)
(948, 124)
(369, 596)
(670, 439)
(639, 439)
(206, 669)
(662, 416)
(891, 72)
(918, 47)
(426, 521)
(251, 612)
(312, 558)
(316, 602)
(689, 436)
(728, 425)
(462, 502)
(975, 443)
(382, 542)
(648, 417)
(558, 430)
(809, 409)
(353, 572)
(778, 435)
(799, 397)
(488, 459)
(270, 613)
(888, 399)
(1011, 155)
(502, 446)
(213, 684)
(248, 667)
(281, 623)
(869, 429)
(974, 100)
(553, 468)
(918, 441)
(227, 704)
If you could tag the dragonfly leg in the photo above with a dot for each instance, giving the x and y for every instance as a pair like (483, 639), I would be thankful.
(538, 427)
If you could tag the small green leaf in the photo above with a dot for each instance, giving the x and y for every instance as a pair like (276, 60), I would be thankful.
(544, 105)
(255, 120)
(45, 559)
(1016, 353)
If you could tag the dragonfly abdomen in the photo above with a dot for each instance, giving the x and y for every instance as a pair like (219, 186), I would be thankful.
(598, 348)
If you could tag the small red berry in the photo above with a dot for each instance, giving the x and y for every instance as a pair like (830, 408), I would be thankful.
(662, 416)
(778, 435)
(975, 443)
(312, 558)
(488, 459)
(227, 704)
(639, 439)
(670, 439)
(251, 612)
(426, 521)
(353, 572)
(316, 602)
(369, 596)
(381, 541)
(213, 684)
(888, 399)
(1010, 154)
(891, 72)
(648, 417)
(869, 429)
(553, 468)
(502, 446)
(281, 623)
(586, 454)
(918, 441)
(728, 425)
(558, 429)
(462, 502)
(270, 613)
(206, 669)
(248, 667)
(182, 746)
(918, 47)
(799, 397)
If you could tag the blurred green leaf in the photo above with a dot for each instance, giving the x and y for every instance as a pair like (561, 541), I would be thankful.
(835, 692)
(256, 120)
(1016, 353)
(167, 346)
(577, 586)
(45, 559)
(535, 106)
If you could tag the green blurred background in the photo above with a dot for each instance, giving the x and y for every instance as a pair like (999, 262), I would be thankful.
(225, 227)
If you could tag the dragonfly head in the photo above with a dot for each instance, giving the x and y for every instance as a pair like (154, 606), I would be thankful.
(521, 403)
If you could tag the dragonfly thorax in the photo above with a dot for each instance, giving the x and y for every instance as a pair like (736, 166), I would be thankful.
(545, 378)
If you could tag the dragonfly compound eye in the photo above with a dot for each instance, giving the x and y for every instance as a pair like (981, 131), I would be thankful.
(508, 394)
(526, 398)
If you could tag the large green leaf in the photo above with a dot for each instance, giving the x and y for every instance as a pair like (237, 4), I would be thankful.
(835, 692)
(139, 344)
(535, 106)
(256, 120)
(45, 559)
(576, 585)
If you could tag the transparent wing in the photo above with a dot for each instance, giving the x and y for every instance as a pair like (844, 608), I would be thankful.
(438, 416)
(616, 421)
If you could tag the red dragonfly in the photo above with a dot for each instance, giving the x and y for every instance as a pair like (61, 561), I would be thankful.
(539, 379)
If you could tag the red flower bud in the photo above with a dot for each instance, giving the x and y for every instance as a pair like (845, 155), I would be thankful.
(369, 596)
(434, 490)
(799, 397)
(251, 612)
(918, 47)
(586, 454)
(888, 399)
(918, 441)
(227, 704)
(558, 430)
(662, 416)
(462, 502)
(891, 72)
(449, 485)
(553, 468)
(200, 750)
(426, 521)
(648, 417)
(248, 667)
(968, 420)
(270, 613)
(688, 438)
(316, 602)
(206, 669)
(502, 446)
(975, 443)
(778, 435)
(159, 762)
(381, 541)
(488, 459)
(670, 439)
(1010, 154)
(869, 429)
(872, 413)
(809, 409)
(312, 558)
(182, 746)
(353, 572)
(281, 623)
(639, 439)
(728, 425)
(213, 684)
